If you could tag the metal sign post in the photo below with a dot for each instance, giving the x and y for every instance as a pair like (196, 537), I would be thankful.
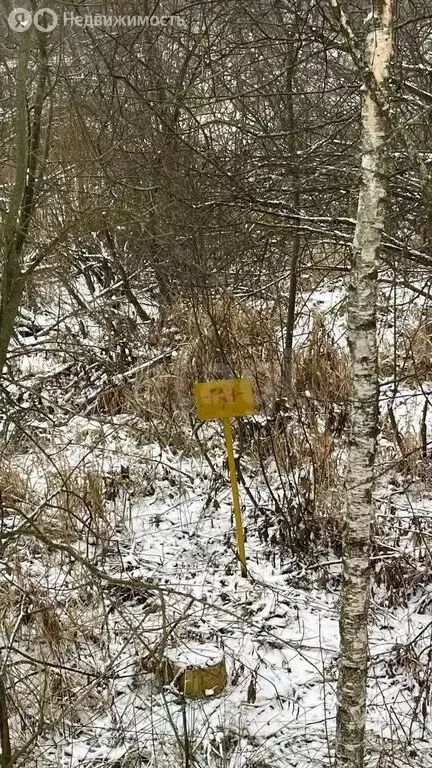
(225, 399)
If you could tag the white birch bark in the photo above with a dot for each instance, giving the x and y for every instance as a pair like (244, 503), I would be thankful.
(362, 298)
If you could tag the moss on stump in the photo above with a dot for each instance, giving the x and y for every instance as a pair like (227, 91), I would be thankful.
(197, 670)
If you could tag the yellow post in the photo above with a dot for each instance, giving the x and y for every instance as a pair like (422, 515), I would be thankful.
(235, 493)
(225, 399)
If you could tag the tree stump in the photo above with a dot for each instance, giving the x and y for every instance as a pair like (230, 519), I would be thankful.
(197, 670)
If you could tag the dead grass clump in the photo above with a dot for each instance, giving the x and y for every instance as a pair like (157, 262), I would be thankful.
(391, 583)
(410, 461)
(113, 401)
(406, 452)
(325, 494)
(321, 368)
(413, 355)
(231, 340)
(81, 506)
(418, 342)
(326, 473)
(226, 340)
(13, 488)
(157, 397)
(48, 620)
(310, 516)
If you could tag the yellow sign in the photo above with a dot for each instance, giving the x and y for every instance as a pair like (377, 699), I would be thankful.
(224, 398)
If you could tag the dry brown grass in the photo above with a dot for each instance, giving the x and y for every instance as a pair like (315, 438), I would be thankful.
(414, 354)
(48, 619)
(80, 507)
(114, 400)
(229, 340)
(323, 491)
(309, 458)
(321, 367)
(419, 344)
(14, 488)
(405, 455)
(235, 340)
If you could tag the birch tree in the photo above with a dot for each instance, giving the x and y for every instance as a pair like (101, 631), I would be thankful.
(362, 298)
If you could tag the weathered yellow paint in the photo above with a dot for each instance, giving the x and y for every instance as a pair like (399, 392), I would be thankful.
(224, 398)
(235, 495)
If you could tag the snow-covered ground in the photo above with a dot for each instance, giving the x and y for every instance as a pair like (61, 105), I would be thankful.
(144, 559)
(174, 553)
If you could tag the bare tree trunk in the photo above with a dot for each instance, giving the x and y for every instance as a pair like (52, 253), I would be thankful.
(11, 278)
(23, 197)
(5, 743)
(295, 257)
(351, 689)
(295, 250)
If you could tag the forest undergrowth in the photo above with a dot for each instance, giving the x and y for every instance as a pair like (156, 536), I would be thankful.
(118, 542)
